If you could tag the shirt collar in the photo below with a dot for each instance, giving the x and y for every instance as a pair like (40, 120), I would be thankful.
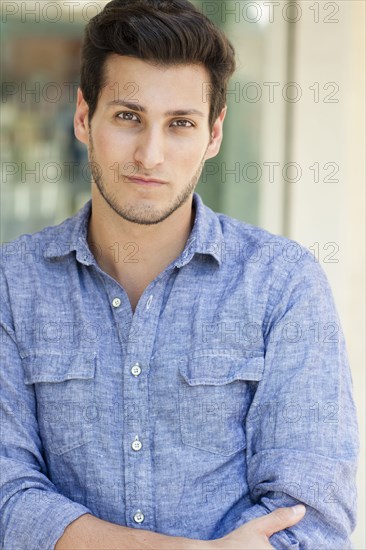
(205, 237)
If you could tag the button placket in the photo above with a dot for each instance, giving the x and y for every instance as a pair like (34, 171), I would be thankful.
(137, 451)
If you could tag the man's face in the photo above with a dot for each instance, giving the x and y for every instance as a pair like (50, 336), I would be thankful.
(125, 142)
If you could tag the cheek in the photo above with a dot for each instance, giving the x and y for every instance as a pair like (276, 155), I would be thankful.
(188, 152)
(106, 136)
(107, 142)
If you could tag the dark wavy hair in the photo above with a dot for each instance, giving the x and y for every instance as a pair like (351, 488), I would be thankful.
(164, 32)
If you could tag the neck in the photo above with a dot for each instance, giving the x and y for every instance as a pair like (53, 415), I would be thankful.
(124, 249)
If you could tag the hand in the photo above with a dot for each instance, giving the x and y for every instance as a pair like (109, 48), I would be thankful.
(255, 534)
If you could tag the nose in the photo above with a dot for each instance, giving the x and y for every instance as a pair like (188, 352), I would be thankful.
(149, 150)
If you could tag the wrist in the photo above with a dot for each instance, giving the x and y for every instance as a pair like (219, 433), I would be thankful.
(195, 544)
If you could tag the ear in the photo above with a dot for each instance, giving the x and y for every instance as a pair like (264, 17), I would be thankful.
(81, 122)
(216, 136)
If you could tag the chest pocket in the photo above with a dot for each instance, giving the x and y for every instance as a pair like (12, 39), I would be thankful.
(215, 392)
(65, 388)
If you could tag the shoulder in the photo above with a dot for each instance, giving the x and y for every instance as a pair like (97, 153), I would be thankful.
(254, 245)
(272, 266)
(32, 249)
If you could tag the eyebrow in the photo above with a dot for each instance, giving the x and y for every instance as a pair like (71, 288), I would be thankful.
(141, 109)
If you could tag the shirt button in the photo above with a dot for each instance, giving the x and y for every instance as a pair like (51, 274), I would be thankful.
(116, 302)
(139, 517)
(148, 303)
(136, 369)
(136, 444)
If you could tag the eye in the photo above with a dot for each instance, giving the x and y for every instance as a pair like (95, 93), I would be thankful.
(127, 116)
(125, 113)
(184, 126)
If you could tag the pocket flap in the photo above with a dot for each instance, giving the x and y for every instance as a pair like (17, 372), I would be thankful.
(221, 367)
(51, 367)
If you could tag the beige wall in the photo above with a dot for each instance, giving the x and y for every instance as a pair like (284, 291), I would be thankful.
(334, 212)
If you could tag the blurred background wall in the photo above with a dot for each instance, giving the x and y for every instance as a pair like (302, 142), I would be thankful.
(292, 159)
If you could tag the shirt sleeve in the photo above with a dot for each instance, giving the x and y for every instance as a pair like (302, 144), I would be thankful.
(33, 514)
(302, 431)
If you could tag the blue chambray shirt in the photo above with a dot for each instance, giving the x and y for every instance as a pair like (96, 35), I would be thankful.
(225, 395)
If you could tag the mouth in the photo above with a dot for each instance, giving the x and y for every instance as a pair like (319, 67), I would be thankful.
(146, 182)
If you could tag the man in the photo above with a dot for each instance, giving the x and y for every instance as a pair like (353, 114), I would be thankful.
(171, 377)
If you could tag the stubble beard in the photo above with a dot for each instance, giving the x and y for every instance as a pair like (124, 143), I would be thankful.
(143, 214)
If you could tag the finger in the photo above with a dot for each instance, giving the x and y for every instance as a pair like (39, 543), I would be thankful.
(279, 519)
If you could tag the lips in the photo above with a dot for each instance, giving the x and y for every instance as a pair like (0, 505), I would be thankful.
(146, 182)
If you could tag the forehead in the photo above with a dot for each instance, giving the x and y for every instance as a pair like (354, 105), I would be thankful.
(133, 79)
